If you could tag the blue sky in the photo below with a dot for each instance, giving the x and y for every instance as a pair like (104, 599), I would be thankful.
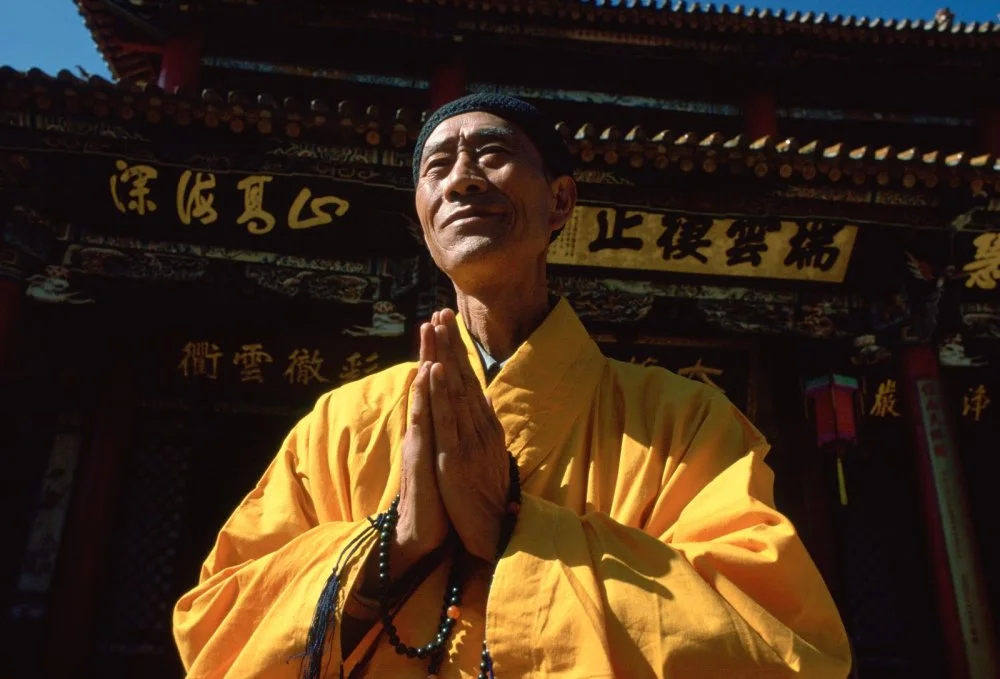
(50, 34)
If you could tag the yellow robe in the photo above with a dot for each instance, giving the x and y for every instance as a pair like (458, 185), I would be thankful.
(648, 544)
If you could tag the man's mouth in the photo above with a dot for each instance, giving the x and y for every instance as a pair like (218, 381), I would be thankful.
(468, 214)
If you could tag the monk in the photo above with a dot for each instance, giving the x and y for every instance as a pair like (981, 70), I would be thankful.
(512, 504)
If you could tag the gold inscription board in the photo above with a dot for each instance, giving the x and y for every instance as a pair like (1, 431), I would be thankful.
(760, 247)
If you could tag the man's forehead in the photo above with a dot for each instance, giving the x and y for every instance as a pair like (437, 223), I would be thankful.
(474, 124)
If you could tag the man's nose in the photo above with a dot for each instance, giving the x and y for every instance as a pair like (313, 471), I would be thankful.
(465, 177)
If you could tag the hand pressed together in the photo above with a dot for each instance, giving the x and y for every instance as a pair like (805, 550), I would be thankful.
(455, 462)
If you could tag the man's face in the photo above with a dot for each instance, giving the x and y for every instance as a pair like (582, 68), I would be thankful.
(483, 196)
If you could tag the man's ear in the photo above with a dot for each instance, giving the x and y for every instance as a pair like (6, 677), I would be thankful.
(564, 193)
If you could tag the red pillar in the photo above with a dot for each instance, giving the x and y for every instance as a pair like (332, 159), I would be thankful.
(989, 126)
(448, 81)
(179, 63)
(11, 293)
(760, 115)
(84, 556)
(965, 618)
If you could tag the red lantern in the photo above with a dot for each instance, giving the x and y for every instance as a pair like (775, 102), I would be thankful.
(834, 408)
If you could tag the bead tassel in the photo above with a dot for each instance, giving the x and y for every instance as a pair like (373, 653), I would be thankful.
(323, 619)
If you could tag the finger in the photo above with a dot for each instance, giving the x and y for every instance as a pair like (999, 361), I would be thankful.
(482, 414)
(482, 417)
(450, 321)
(484, 420)
(442, 413)
(427, 343)
(446, 355)
(420, 413)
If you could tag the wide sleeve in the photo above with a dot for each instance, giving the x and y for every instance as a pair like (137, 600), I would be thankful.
(250, 611)
(715, 583)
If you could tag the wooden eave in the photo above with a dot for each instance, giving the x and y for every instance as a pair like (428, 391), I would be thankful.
(125, 61)
(596, 148)
(644, 22)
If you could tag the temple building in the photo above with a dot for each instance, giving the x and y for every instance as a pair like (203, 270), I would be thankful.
(801, 210)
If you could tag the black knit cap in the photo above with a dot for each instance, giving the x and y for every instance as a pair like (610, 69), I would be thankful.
(547, 140)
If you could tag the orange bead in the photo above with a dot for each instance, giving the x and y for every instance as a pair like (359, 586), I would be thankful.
(454, 612)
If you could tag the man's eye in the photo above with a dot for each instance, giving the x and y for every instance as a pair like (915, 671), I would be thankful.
(493, 149)
(440, 161)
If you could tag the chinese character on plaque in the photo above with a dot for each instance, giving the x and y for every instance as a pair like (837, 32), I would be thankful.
(200, 359)
(885, 400)
(137, 177)
(304, 367)
(975, 402)
(250, 358)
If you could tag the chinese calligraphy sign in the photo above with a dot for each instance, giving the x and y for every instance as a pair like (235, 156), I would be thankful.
(764, 247)
(304, 367)
(684, 236)
(201, 196)
(137, 177)
(984, 269)
(250, 358)
(200, 359)
(885, 400)
(206, 360)
(354, 368)
(975, 402)
(195, 202)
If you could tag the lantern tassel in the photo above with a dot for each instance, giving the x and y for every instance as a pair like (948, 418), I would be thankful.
(841, 482)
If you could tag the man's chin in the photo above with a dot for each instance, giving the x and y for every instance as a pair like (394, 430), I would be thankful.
(473, 250)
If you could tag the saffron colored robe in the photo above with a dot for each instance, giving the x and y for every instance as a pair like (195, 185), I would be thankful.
(648, 544)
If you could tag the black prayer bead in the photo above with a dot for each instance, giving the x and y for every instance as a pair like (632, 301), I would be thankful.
(385, 523)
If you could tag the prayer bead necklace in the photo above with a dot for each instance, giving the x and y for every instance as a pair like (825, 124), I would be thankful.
(450, 610)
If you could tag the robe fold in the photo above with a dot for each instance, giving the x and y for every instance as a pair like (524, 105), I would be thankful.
(648, 544)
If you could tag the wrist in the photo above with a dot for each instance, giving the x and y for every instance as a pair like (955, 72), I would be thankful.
(405, 550)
